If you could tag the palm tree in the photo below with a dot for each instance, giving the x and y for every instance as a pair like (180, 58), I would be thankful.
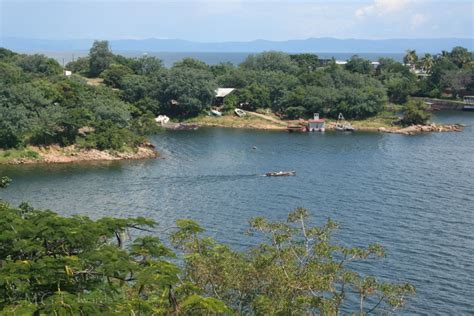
(427, 63)
(410, 57)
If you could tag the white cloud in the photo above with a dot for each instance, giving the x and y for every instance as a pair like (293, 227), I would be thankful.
(381, 7)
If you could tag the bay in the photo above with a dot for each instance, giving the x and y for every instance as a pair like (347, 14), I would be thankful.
(412, 194)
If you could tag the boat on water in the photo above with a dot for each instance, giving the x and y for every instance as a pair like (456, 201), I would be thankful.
(344, 128)
(240, 112)
(342, 125)
(297, 126)
(468, 103)
(317, 124)
(281, 174)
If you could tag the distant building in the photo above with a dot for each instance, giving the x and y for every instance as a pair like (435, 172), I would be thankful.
(221, 93)
(375, 64)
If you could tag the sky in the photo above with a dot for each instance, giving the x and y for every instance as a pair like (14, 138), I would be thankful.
(233, 20)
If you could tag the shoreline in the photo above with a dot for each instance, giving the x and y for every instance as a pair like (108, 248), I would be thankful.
(270, 123)
(61, 155)
(55, 154)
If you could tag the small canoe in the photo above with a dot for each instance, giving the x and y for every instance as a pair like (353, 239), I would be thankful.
(281, 174)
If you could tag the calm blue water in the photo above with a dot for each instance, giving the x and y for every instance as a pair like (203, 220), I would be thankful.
(413, 194)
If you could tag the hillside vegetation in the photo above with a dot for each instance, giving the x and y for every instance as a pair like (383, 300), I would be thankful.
(110, 101)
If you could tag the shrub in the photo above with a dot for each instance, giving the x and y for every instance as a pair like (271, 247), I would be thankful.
(415, 112)
(8, 138)
(114, 75)
(294, 112)
(109, 136)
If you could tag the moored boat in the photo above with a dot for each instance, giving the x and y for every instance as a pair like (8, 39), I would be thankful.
(316, 124)
(281, 174)
(296, 129)
(297, 126)
(342, 125)
(344, 128)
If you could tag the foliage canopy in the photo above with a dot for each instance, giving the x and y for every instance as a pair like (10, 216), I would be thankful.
(50, 264)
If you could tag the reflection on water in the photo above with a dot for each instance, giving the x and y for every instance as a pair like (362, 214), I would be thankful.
(413, 194)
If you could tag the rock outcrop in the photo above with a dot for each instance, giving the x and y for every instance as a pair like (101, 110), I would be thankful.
(56, 154)
(417, 129)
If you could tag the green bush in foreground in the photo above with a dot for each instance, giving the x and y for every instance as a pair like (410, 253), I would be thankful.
(51, 264)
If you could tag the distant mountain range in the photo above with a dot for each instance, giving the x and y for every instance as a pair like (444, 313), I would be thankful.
(317, 45)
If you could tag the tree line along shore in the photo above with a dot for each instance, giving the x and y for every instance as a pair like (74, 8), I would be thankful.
(103, 105)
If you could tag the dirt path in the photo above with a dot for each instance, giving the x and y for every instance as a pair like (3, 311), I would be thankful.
(267, 117)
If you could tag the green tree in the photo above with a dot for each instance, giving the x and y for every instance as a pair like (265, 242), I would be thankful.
(186, 91)
(270, 61)
(222, 69)
(114, 74)
(109, 136)
(47, 126)
(410, 58)
(38, 64)
(297, 269)
(359, 65)
(399, 88)
(135, 87)
(80, 66)
(427, 63)
(457, 80)
(415, 112)
(306, 62)
(147, 65)
(56, 265)
(254, 96)
(100, 58)
(295, 112)
(191, 63)
(461, 56)
(113, 110)
(6, 54)
(9, 73)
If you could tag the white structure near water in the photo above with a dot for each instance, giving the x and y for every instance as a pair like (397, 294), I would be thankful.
(162, 119)
(316, 124)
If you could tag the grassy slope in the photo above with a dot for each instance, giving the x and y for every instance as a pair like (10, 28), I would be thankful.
(232, 121)
(7, 156)
(250, 121)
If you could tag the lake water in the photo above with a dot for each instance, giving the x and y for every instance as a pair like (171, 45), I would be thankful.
(413, 194)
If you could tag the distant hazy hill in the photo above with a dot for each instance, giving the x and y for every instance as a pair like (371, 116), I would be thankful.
(308, 45)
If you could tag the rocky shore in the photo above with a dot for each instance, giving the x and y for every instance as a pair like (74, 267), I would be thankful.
(70, 154)
(418, 129)
(265, 122)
